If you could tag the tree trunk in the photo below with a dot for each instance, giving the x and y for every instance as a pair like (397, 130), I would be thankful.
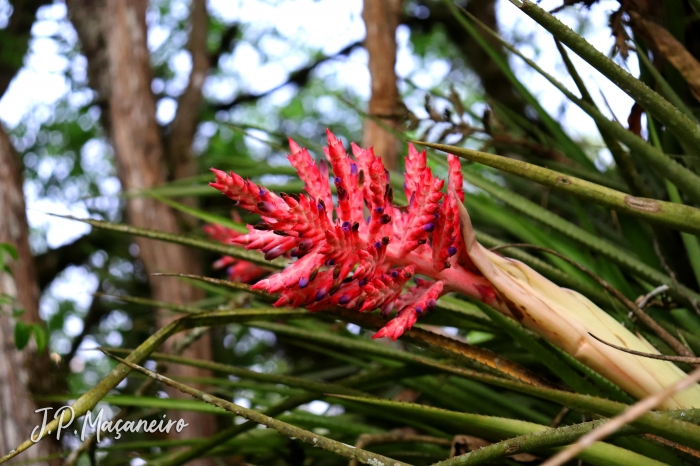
(22, 373)
(381, 19)
(114, 40)
(19, 370)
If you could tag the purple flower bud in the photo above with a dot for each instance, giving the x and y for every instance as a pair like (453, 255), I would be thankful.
(338, 180)
(419, 309)
(430, 304)
(273, 253)
(342, 193)
(353, 169)
(387, 308)
(395, 273)
(344, 299)
(320, 294)
(379, 210)
(377, 244)
(429, 227)
(303, 281)
(262, 192)
(346, 226)
(323, 168)
(362, 282)
(306, 244)
(452, 250)
(330, 262)
(265, 207)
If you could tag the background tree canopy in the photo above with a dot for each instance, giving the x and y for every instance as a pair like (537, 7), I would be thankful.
(116, 110)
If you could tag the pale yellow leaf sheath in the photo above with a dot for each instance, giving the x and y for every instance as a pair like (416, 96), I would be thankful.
(564, 318)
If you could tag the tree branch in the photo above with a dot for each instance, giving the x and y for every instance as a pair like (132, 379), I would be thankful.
(50, 263)
(299, 77)
(226, 44)
(494, 82)
(381, 19)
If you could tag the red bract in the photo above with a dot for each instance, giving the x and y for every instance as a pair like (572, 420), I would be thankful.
(361, 252)
(238, 270)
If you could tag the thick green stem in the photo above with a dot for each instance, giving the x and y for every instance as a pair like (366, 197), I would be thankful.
(691, 243)
(536, 441)
(623, 161)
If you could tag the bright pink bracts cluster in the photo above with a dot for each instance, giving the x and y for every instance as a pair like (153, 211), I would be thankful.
(361, 252)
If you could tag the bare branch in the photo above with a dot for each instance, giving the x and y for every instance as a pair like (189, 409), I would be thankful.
(299, 77)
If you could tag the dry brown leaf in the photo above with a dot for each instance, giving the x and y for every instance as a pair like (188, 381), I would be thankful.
(634, 121)
(407, 396)
(670, 49)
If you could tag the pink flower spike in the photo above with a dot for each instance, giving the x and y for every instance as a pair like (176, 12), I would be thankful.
(339, 257)
(344, 180)
(416, 163)
(398, 325)
(315, 180)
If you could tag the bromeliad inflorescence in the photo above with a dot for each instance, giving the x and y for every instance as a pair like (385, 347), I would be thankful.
(361, 251)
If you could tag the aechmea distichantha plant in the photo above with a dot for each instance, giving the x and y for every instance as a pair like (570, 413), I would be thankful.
(362, 252)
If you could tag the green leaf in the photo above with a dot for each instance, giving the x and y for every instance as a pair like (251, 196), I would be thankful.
(289, 430)
(22, 333)
(200, 214)
(10, 250)
(290, 381)
(41, 336)
(674, 215)
(239, 253)
(494, 428)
